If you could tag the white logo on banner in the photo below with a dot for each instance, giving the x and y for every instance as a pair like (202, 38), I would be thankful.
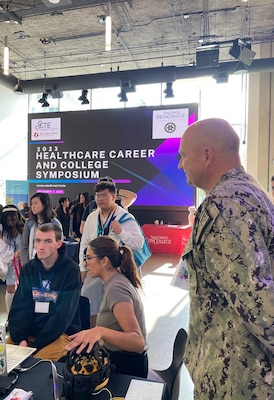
(46, 129)
(169, 123)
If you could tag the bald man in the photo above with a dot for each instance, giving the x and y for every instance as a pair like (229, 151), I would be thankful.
(230, 257)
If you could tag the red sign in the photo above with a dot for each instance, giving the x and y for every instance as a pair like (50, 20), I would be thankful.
(169, 239)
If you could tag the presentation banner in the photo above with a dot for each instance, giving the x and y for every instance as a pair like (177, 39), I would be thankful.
(137, 147)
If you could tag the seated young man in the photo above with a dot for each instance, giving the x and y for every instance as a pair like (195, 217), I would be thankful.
(45, 310)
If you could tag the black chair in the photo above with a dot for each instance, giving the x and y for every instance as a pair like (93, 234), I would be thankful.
(171, 375)
(84, 306)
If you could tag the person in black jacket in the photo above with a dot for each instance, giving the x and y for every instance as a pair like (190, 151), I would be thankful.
(63, 215)
(45, 309)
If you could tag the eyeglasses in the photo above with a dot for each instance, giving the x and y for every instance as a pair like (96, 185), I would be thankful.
(87, 258)
(101, 196)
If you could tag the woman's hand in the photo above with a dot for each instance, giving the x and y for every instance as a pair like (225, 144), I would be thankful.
(84, 338)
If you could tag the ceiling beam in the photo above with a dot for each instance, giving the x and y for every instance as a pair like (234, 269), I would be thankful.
(137, 77)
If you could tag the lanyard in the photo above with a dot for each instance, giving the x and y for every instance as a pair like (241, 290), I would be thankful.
(14, 243)
(103, 229)
(47, 282)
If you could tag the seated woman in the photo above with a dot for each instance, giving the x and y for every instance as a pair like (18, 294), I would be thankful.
(121, 320)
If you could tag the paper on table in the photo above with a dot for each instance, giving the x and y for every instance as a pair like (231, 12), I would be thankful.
(144, 390)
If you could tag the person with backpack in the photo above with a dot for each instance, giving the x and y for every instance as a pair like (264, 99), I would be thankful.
(41, 211)
(105, 221)
(124, 198)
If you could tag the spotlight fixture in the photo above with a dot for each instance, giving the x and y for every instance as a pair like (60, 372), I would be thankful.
(221, 77)
(123, 95)
(168, 90)
(18, 88)
(235, 49)
(247, 55)
(241, 51)
(101, 19)
(83, 98)
(43, 100)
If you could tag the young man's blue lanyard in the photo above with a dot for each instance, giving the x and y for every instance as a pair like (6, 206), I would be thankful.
(103, 229)
(47, 282)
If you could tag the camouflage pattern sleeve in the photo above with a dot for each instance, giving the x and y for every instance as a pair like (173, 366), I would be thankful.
(231, 331)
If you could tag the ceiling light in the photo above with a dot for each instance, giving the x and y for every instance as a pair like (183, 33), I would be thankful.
(123, 95)
(247, 55)
(168, 90)
(83, 98)
(54, 3)
(241, 50)
(108, 29)
(101, 19)
(43, 100)
(6, 57)
(235, 49)
(18, 88)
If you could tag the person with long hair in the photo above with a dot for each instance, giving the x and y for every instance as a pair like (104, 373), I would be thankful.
(41, 211)
(121, 320)
(12, 223)
(77, 212)
(63, 215)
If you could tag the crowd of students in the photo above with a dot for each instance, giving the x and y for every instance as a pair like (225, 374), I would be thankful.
(230, 259)
(43, 306)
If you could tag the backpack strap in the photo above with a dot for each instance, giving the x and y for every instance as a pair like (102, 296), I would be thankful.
(124, 218)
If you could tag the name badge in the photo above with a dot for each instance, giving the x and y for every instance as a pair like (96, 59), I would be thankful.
(41, 307)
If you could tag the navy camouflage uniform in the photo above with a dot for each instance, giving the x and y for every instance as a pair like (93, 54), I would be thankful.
(230, 257)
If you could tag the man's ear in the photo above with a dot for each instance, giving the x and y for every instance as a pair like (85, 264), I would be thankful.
(209, 155)
(59, 244)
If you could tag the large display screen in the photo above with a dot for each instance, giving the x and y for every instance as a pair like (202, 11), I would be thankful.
(138, 147)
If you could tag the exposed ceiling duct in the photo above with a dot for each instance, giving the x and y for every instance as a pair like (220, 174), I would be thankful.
(136, 77)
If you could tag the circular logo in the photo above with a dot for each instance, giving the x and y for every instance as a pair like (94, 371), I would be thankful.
(170, 127)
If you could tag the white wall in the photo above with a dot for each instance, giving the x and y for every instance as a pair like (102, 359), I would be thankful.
(13, 131)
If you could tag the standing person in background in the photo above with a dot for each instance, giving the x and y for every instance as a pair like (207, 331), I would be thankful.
(63, 215)
(230, 258)
(12, 227)
(25, 210)
(124, 198)
(105, 221)
(41, 211)
(77, 212)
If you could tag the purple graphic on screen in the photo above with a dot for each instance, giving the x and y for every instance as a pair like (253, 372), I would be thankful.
(169, 186)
